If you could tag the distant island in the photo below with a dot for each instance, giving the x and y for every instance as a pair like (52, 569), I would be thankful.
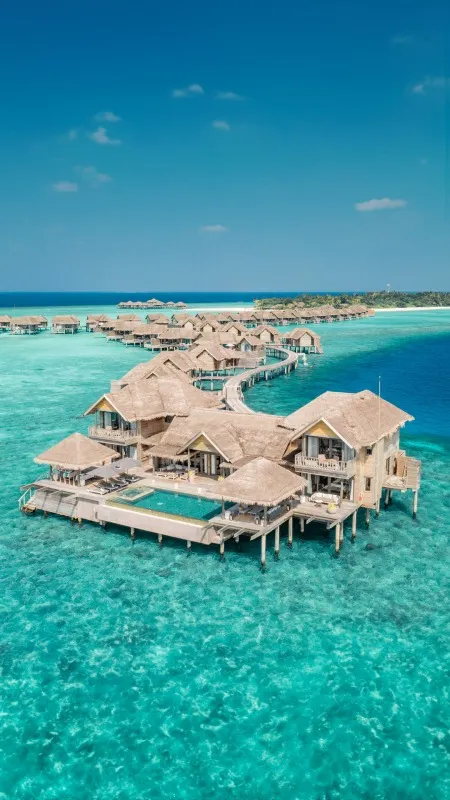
(385, 299)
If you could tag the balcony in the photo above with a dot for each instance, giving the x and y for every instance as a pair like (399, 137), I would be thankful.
(320, 465)
(113, 434)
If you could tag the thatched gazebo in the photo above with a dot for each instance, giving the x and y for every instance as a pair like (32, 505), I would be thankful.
(261, 482)
(75, 454)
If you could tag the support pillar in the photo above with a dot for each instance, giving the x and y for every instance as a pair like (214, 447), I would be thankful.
(277, 541)
(341, 532)
(290, 530)
(367, 517)
(377, 508)
(337, 537)
(386, 497)
(132, 534)
(222, 550)
(354, 518)
(415, 503)
(263, 550)
(302, 525)
(160, 539)
(188, 545)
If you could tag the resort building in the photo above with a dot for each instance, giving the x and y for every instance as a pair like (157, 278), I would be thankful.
(65, 323)
(267, 334)
(5, 323)
(129, 419)
(213, 358)
(201, 473)
(302, 340)
(28, 324)
(94, 320)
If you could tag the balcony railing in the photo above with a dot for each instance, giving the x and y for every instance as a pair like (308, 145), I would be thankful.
(324, 465)
(113, 434)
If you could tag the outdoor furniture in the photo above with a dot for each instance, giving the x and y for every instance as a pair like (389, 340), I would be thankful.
(322, 498)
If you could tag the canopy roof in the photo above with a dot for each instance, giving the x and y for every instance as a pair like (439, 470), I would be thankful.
(179, 361)
(261, 482)
(359, 419)
(66, 319)
(77, 452)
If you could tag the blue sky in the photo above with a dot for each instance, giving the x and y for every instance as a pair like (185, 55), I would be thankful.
(238, 146)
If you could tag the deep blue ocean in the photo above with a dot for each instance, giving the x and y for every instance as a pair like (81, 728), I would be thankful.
(131, 672)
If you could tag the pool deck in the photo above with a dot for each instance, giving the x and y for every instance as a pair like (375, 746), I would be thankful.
(80, 503)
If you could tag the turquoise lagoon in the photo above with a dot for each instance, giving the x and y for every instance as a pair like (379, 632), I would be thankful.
(129, 671)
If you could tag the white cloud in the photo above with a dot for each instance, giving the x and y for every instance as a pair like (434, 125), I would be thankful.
(430, 83)
(190, 91)
(380, 205)
(100, 136)
(221, 125)
(405, 39)
(229, 96)
(92, 176)
(65, 186)
(214, 229)
(107, 116)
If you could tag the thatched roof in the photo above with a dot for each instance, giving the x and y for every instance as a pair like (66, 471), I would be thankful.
(65, 319)
(297, 333)
(264, 327)
(157, 319)
(77, 452)
(359, 419)
(152, 399)
(36, 319)
(234, 435)
(216, 351)
(4, 318)
(97, 318)
(261, 482)
(128, 317)
(178, 360)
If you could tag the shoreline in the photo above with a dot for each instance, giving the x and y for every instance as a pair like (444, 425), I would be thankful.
(413, 308)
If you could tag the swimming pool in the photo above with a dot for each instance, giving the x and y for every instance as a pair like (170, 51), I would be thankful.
(180, 505)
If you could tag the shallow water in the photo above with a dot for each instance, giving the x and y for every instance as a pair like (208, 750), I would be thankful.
(129, 672)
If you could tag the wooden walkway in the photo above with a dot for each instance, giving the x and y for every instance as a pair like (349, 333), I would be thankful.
(235, 386)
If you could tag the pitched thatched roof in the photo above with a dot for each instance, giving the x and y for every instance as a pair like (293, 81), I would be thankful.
(216, 351)
(77, 452)
(36, 319)
(4, 318)
(237, 326)
(261, 482)
(128, 317)
(233, 435)
(65, 319)
(297, 333)
(152, 399)
(157, 319)
(178, 360)
(359, 419)
(264, 327)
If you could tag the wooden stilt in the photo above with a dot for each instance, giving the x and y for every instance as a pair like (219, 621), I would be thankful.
(354, 520)
(377, 508)
(132, 533)
(415, 503)
(263, 550)
(341, 532)
(188, 545)
(277, 541)
(302, 525)
(160, 539)
(386, 498)
(367, 517)
(337, 537)
(222, 550)
(290, 530)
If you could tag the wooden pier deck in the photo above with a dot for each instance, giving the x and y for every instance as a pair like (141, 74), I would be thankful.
(234, 387)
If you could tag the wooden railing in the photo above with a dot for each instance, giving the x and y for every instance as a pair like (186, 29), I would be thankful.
(115, 434)
(328, 466)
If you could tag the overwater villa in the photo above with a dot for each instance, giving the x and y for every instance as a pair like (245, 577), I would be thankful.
(266, 333)
(28, 325)
(5, 323)
(94, 320)
(65, 323)
(153, 303)
(133, 418)
(302, 340)
(174, 462)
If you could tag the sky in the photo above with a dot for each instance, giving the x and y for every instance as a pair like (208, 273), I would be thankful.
(239, 146)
